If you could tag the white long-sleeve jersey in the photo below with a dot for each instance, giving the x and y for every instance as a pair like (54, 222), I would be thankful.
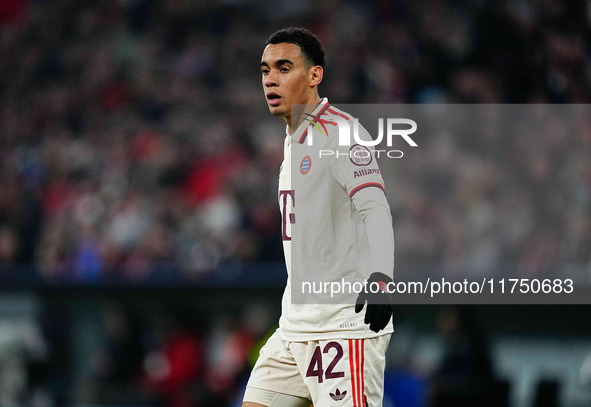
(337, 229)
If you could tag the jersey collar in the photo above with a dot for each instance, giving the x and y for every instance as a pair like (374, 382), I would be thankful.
(302, 131)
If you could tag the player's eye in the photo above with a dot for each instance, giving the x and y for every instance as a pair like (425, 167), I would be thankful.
(284, 70)
(265, 71)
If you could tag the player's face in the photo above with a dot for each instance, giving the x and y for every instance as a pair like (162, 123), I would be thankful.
(286, 78)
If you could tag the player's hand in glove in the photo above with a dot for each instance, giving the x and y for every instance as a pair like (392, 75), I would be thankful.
(379, 304)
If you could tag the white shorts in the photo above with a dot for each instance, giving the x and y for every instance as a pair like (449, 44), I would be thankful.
(348, 371)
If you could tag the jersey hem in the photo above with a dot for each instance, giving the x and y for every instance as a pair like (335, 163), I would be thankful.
(304, 337)
(284, 390)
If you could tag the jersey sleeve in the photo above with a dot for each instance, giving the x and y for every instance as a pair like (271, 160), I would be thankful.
(355, 167)
(375, 214)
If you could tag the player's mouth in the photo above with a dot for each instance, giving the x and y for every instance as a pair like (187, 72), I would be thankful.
(273, 98)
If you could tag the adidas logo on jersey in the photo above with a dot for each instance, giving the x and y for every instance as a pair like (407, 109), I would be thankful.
(337, 395)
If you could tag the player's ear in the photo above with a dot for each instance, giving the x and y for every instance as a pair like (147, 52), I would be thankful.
(316, 75)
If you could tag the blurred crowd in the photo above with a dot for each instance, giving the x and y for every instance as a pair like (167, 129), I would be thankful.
(171, 358)
(135, 143)
(115, 354)
(514, 202)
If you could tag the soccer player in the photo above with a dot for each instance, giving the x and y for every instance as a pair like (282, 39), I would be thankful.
(329, 354)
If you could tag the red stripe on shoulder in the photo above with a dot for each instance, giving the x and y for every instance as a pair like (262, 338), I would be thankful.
(331, 110)
(366, 185)
(314, 119)
(323, 121)
(323, 126)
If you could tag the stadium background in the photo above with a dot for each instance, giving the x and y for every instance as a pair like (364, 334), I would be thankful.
(140, 251)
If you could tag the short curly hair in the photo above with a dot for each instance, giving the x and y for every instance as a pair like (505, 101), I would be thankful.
(302, 37)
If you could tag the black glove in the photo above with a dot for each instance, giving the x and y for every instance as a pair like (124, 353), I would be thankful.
(379, 304)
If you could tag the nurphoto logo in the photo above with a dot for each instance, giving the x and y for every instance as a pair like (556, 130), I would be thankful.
(359, 153)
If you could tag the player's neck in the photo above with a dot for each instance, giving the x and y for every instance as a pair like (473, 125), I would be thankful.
(309, 107)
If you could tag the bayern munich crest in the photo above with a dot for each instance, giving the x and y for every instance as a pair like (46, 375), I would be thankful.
(305, 165)
(360, 155)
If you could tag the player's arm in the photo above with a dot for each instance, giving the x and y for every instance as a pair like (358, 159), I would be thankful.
(375, 212)
(364, 185)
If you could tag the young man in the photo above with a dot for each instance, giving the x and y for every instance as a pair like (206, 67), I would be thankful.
(336, 226)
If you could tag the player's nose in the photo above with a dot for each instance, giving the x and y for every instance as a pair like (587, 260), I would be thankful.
(270, 80)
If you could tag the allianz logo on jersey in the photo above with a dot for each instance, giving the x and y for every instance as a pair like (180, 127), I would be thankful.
(348, 128)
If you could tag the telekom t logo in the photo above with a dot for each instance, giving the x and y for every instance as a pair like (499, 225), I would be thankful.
(283, 197)
(345, 132)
